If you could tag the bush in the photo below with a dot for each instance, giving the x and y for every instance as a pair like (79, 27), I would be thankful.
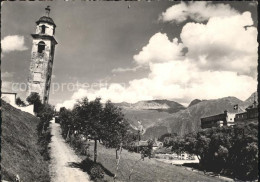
(43, 142)
(19, 102)
(79, 145)
(96, 172)
(226, 150)
(34, 98)
(44, 135)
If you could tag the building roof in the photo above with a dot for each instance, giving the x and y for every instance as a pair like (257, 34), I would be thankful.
(253, 106)
(46, 19)
(9, 93)
(240, 113)
(48, 37)
(214, 117)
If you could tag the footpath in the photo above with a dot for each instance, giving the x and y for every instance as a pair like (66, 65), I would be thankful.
(61, 158)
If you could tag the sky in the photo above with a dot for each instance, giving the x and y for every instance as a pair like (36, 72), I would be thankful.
(132, 51)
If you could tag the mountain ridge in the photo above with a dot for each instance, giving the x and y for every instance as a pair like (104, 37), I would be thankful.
(158, 120)
(188, 120)
(195, 101)
(157, 104)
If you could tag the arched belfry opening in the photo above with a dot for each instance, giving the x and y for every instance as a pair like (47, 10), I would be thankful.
(43, 28)
(41, 47)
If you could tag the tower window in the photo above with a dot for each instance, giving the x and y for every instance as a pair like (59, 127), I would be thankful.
(41, 47)
(43, 29)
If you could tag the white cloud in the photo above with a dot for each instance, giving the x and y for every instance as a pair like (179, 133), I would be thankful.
(179, 80)
(69, 104)
(120, 70)
(79, 94)
(160, 49)
(223, 43)
(197, 11)
(220, 60)
(13, 43)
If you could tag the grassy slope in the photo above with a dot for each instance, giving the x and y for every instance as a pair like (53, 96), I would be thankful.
(144, 171)
(19, 147)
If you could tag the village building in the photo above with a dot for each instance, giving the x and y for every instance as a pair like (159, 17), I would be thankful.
(42, 57)
(230, 119)
(251, 114)
(144, 143)
(10, 98)
(224, 119)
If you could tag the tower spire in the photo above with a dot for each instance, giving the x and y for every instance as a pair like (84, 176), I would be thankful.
(47, 11)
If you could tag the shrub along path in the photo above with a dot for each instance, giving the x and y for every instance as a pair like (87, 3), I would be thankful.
(61, 158)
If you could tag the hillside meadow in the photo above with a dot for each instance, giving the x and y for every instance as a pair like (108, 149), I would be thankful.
(19, 149)
(147, 170)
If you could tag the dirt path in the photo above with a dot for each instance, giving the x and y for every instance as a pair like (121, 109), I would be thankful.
(61, 157)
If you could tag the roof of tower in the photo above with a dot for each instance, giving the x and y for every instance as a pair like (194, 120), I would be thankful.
(46, 19)
(48, 37)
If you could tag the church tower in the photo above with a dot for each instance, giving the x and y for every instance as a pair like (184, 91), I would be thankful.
(43, 46)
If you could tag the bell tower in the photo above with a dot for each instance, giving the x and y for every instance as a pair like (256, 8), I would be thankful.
(42, 57)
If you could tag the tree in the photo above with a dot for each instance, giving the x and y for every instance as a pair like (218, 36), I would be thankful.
(130, 140)
(88, 119)
(114, 127)
(93, 124)
(190, 144)
(65, 121)
(96, 122)
(245, 162)
(147, 150)
(34, 99)
(176, 143)
(162, 137)
(232, 150)
(19, 101)
(80, 116)
(45, 114)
